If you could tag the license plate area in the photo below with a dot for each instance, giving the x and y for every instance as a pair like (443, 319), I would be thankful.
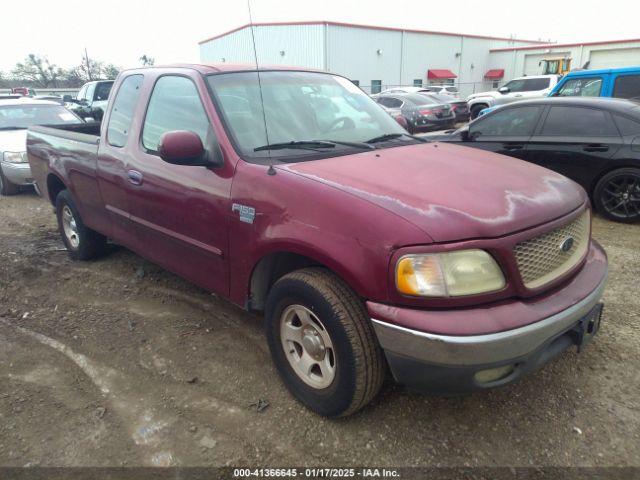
(588, 327)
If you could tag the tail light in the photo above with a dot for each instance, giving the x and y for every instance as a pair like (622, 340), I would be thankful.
(426, 112)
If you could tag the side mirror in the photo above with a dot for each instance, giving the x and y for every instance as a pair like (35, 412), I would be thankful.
(182, 147)
(67, 99)
(504, 90)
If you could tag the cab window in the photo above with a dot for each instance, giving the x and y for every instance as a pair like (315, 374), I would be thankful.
(510, 122)
(627, 86)
(122, 113)
(175, 105)
(581, 87)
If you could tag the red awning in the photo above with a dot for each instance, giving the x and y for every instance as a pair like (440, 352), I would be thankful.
(440, 74)
(494, 74)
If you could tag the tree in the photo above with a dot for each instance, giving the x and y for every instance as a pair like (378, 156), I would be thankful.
(38, 71)
(110, 71)
(147, 61)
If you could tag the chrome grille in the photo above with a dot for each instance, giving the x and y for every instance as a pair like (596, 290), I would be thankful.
(542, 259)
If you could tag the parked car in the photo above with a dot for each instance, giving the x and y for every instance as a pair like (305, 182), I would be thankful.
(24, 91)
(517, 89)
(615, 82)
(52, 98)
(395, 90)
(15, 117)
(299, 197)
(595, 142)
(91, 100)
(449, 90)
(459, 107)
(421, 112)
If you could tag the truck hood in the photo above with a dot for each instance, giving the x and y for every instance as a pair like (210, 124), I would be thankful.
(13, 140)
(448, 191)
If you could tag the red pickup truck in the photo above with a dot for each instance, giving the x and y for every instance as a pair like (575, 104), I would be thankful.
(294, 194)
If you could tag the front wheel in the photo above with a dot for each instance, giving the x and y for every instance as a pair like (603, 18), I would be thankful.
(322, 342)
(617, 195)
(82, 243)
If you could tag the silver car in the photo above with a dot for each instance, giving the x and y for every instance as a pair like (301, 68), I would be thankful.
(16, 115)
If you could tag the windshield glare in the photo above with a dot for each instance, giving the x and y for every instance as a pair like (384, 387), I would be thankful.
(25, 116)
(298, 106)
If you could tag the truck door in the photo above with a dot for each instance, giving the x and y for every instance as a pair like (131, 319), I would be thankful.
(180, 212)
(113, 154)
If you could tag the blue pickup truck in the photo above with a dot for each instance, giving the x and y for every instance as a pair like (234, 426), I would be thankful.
(615, 82)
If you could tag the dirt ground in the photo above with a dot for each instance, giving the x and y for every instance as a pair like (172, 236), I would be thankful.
(117, 362)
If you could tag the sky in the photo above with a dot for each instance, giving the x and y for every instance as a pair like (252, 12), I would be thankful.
(120, 31)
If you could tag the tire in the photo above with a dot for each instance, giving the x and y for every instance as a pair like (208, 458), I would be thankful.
(474, 111)
(352, 351)
(82, 243)
(617, 195)
(6, 187)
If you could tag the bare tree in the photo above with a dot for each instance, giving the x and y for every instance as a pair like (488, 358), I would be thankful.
(110, 71)
(147, 61)
(38, 71)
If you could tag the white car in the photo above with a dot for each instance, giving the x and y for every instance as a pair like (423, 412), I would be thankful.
(16, 115)
(439, 89)
(522, 88)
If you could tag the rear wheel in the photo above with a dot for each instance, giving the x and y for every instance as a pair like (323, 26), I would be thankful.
(322, 342)
(617, 195)
(6, 187)
(475, 110)
(82, 243)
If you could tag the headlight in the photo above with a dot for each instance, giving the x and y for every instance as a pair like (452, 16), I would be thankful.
(15, 157)
(451, 274)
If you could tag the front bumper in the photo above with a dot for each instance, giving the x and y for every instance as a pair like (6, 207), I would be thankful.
(452, 364)
(17, 173)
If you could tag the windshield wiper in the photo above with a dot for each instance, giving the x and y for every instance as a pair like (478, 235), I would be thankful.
(313, 145)
(393, 136)
(301, 144)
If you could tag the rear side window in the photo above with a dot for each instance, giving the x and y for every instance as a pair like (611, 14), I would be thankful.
(579, 122)
(627, 126)
(122, 112)
(627, 86)
(174, 105)
(533, 84)
(511, 122)
(581, 87)
(102, 91)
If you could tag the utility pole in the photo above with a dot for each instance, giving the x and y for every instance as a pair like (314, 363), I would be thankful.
(86, 58)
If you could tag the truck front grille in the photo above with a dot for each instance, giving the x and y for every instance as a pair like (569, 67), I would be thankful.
(546, 257)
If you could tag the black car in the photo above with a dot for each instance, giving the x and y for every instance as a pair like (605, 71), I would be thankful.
(594, 141)
(421, 112)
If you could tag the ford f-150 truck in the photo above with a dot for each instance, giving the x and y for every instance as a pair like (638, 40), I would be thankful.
(294, 194)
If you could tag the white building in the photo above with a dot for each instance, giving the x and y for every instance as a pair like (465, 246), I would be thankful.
(379, 57)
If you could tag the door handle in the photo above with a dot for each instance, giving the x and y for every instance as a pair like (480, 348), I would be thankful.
(596, 147)
(135, 177)
(513, 146)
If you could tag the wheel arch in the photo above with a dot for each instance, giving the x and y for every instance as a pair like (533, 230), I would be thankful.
(54, 186)
(600, 175)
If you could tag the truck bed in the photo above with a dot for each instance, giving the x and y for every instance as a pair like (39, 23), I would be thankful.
(84, 132)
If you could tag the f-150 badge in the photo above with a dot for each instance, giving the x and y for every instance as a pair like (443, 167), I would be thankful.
(247, 214)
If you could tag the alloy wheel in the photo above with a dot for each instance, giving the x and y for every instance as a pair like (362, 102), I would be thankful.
(621, 196)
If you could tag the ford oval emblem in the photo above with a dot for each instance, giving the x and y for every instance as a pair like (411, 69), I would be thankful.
(567, 244)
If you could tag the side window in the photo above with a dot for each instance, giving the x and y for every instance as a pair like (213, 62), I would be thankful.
(581, 87)
(579, 122)
(627, 86)
(102, 91)
(514, 122)
(417, 82)
(627, 126)
(535, 84)
(174, 105)
(81, 93)
(122, 112)
(89, 93)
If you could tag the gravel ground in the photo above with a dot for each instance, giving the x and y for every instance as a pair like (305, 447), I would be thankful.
(117, 362)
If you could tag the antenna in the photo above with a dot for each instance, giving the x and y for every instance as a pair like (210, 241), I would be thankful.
(271, 170)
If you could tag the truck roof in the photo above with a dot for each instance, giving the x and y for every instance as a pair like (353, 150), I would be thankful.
(581, 73)
(209, 68)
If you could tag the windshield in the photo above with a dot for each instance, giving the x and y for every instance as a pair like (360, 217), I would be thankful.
(298, 106)
(25, 116)
(419, 99)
